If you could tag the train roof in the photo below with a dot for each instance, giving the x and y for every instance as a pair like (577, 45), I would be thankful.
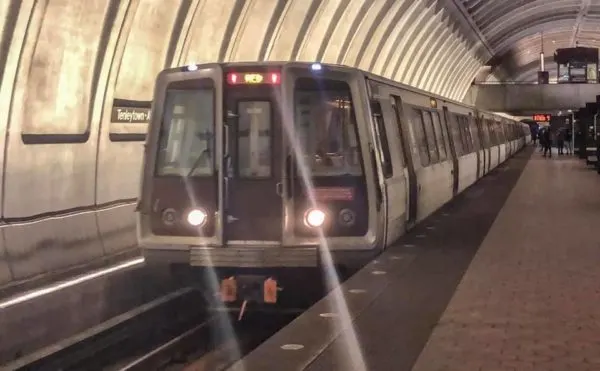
(333, 66)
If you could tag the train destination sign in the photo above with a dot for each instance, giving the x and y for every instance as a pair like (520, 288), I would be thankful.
(541, 117)
(129, 115)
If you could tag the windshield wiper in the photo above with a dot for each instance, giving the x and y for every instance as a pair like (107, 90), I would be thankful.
(197, 162)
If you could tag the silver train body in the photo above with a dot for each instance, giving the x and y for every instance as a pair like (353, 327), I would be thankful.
(283, 165)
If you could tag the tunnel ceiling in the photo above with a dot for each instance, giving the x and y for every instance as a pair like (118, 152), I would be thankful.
(514, 30)
(68, 60)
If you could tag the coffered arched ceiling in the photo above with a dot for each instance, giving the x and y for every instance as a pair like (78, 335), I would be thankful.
(57, 52)
(516, 29)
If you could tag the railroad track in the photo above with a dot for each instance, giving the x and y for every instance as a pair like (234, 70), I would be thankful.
(174, 332)
(122, 337)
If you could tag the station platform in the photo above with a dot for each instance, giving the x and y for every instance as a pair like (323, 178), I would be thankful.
(505, 277)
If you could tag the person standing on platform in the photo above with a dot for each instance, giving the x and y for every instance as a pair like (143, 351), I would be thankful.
(568, 139)
(547, 142)
(541, 138)
(560, 141)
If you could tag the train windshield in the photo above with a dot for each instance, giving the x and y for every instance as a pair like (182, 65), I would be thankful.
(187, 133)
(325, 126)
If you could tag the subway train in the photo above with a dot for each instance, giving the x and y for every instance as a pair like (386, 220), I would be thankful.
(251, 169)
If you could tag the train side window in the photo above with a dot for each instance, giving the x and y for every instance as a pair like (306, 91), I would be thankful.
(434, 156)
(186, 144)
(420, 138)
(326, 128)
(439, 135)
(455, 129)
(386, 158)
(254, 139)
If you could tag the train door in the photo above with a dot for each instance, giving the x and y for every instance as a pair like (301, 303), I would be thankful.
(455, 169)
(385, 158)
(253, 157)
(411, 175)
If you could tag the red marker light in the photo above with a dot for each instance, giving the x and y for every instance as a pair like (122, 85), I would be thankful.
(232, 78)
(275, 78)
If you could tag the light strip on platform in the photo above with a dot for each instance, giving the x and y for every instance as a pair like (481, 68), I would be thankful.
(65, 284)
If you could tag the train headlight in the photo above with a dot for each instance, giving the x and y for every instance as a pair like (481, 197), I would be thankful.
(315, 218)
(197, 217)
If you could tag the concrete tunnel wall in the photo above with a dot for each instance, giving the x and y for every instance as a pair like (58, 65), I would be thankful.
(68, 189)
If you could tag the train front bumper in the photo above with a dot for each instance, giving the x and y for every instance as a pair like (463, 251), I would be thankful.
(255, 257)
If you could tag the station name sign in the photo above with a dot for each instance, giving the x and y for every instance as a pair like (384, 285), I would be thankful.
(541, 117)
(129, 115)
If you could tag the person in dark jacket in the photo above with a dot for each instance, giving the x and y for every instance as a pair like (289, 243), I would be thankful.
(560, 141)
(568, 140)
(547, 142)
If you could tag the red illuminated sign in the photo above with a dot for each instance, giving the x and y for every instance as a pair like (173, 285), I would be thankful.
(334, 193)
(253, 78)
(541, 117)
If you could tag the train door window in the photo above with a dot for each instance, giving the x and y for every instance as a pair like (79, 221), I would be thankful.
(485, 134)
(326, 127)
(492, 131)
(457, 138)
(485, 127)
(186, 146)
(421, 139)
(254, 139)
(491, 134)
(399, 122)
(501, 132)
(434, 156)
(439, 135)
(386, 158)
(467, 136)
(474, 130)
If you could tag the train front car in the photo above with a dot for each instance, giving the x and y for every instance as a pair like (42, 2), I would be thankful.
(256, 172)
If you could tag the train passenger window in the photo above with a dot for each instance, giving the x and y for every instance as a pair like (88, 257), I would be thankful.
(439, 135)
(430, 134)
(186, 145)
(326, 127)
(254, 139)
(420, 138)
(455, 130)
